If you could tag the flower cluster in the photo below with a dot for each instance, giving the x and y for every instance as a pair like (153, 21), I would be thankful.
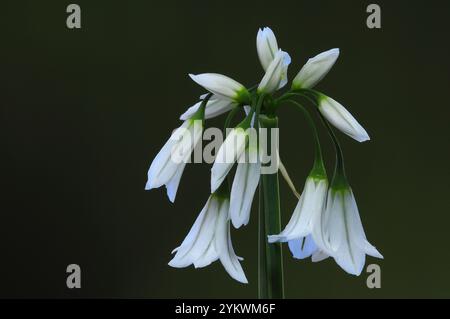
(326, 220)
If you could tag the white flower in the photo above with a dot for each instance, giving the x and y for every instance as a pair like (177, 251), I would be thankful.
(275, 74)
(214, 107)
(222, 86)
(244, 186)
(340, 234)
(309, 206)
(315, 69)
(229, 152)
(167, 167)
(337, 115)
(266, 46)
(209, 239)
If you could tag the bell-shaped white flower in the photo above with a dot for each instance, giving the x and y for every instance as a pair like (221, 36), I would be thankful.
(340, 234)
(214, 107)
(245, 182)
(340, 118)
(266, 46)
(309, 206)
(276, 73)
(305, 247)
(209, 240)
(315, 70)
(229, 152)
(222, 86)
(168, 165)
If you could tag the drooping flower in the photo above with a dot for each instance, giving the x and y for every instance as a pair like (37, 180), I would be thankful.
(267, 48)
(309, 206)
(339, 231)
(339, 117)
(168, 165)
(209, 240)
(231, 150)
(244, 185)
(222, 86)
(315, 69)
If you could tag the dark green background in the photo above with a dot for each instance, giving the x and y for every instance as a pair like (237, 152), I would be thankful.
(83, 113)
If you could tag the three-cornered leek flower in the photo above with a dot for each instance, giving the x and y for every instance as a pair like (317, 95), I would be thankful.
(339, 231)
(209, 239)
(230, 151)
(267, 48)
(315, 70)
(244, 185)
(338, 115)
(222, 86)
(275, 74)
(168, 166)
(300, 227)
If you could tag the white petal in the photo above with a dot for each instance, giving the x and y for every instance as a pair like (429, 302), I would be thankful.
(315, 69)
(302, 248)
(318, 256)
(284, 71)
(174, 182)
(243, 189)
(213, 108)
(227, 155)
(224, 246)
(208, 257)
(219, 84)
(199, 238)
(266, 46)
(274, 74)
(339, 117)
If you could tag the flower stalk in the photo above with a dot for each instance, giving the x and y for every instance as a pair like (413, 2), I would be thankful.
(271, 258)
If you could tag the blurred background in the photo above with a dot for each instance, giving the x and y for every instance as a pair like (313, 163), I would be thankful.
(84, 112)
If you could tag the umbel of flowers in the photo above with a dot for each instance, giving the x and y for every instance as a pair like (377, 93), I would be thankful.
(325, 222)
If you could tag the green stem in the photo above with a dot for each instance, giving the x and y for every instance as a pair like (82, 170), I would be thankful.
(272, 286)
(318, 159)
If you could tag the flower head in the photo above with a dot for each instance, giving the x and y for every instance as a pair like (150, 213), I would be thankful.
(222, 86)
(315, 70)
(309, 206)
(209, 240)
(266, 46)
(338, 115)
(339, 231)
(276, 74)
(168, 165)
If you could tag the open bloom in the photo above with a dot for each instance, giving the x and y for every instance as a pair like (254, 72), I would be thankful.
(309, 206)
(315, 69)
(298, 232)
(338, 115)
(276, 73)
(267, 48)
(245, 182)
(209, 239)
(222, 86)
(340, 234)
(214, 107)
(167, 167)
